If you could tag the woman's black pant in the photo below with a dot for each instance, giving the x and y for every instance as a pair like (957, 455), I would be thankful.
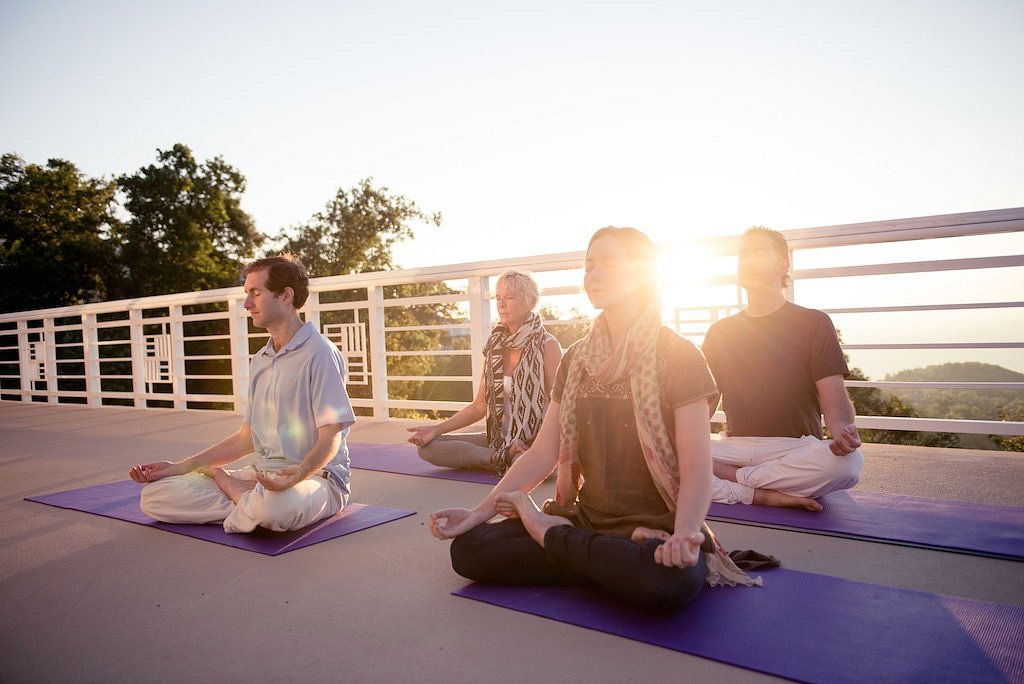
(504, 553)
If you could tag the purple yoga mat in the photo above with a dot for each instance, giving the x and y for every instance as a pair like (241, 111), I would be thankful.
(804, 626)
(402, 459)
(961, 526)
(120, 500)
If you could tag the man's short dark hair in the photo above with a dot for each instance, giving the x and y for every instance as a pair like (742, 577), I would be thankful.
(283, 270)
(779, 246)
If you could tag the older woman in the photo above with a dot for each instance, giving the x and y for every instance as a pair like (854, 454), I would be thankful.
(628, 429)
(519, 370)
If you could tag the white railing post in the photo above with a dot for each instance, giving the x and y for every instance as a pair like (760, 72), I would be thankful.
(480, 324)
(378, 352)
(238, 329)
(177, 357)
(138, 342)
(312, 310)
(91, 357)
(25, 362)
(50, 349)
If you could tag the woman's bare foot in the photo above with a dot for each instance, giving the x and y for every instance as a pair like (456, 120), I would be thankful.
(232, 486)
(773, 497)
(642, 534)
(535, 522)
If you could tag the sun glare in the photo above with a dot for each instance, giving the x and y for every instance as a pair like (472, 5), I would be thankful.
(694, 285)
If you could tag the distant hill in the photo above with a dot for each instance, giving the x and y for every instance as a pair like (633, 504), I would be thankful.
(971, 371)
(964, 404)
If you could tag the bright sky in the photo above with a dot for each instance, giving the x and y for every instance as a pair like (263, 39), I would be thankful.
(529, 124)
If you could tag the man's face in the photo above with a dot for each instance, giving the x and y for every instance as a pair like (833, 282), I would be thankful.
(264, 307)
(760, 266)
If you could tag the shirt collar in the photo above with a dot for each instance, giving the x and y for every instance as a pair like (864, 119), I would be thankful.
(298, 339)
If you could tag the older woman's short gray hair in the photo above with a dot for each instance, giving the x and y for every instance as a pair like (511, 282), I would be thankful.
(523, 284)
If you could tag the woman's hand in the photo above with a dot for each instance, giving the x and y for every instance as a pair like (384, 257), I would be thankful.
(451, 522)
(422, 435)
(680, 550)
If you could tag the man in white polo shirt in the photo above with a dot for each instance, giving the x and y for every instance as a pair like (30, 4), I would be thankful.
(295, 426)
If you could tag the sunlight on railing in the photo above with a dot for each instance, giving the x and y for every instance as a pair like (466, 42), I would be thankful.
(904, 294)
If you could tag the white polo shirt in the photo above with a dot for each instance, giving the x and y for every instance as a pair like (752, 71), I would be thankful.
(292, 393)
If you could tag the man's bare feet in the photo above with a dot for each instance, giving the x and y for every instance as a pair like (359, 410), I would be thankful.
(535, 522)
(232, 486)
(724, 471)
(773, 497)
(642, 534)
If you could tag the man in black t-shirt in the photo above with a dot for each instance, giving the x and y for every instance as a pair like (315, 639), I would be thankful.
(779, 367)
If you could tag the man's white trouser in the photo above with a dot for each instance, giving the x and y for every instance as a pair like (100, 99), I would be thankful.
(196, 499)
(802, 466)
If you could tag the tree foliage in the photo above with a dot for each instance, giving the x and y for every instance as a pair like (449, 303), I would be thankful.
(355, 232)
(871, 401)
(187, 229)
(575, 328)
(1011, 412)
(54, 224)
(958, 403)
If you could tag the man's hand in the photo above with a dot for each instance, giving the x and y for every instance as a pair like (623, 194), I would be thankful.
(151, 472)
(846, 442)
(280, 480)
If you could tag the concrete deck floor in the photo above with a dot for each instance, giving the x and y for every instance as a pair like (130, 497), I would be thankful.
(90, 599)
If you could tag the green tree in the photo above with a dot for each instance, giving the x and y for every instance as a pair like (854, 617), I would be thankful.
(570, 332)
(54, 225)
(1012, 412)
(187, 229)
(356, 231)
(871, 401)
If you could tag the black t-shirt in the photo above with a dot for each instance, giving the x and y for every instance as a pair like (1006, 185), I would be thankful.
(766, 369)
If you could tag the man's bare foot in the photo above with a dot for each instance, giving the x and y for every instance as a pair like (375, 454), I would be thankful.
(535, 522)
(642, 534)
(773, 497)
(232, 486)
(724, 471)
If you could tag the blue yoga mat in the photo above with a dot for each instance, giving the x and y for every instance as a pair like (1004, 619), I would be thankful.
(804, 626)
(402, 459)
(120, 500)
(961, 526)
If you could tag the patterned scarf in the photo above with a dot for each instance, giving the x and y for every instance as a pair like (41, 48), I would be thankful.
(636, 358)
(528, 401)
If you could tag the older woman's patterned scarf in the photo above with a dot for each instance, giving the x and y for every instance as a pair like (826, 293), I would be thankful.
(635, 357)
(528, 401)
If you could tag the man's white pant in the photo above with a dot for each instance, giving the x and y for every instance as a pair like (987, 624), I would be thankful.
(802, 466)
(196, 499)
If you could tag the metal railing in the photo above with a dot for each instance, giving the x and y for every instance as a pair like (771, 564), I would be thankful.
(191, 350)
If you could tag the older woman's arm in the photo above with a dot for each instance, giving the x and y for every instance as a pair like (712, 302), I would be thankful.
(469, 414)
(552, 357)
(528, 471)
(693, 449)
